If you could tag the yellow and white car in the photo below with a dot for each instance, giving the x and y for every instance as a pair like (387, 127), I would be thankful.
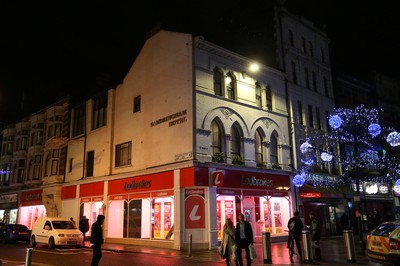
(384, 243)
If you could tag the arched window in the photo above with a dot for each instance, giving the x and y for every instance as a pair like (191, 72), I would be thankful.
(217, 82)
(273, 150)
(236, 141)
(216, 145)
(259, 147)
(230, 82)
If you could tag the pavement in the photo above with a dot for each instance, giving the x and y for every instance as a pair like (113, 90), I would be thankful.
(332, 253)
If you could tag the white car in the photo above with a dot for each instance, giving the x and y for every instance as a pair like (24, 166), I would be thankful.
(55, 231)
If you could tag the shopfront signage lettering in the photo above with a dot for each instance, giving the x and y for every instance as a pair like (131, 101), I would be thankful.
(30, 197)
(8, 198)
(136, 185)
(254, 181)
(177, 118)
(199, 191)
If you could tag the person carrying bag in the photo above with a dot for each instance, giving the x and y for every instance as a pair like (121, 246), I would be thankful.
(228, 246)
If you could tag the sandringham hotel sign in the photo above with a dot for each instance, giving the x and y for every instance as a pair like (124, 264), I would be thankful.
(174, 119)
(257, 182)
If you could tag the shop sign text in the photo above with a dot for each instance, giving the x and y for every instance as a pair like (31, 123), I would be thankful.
(257, 182)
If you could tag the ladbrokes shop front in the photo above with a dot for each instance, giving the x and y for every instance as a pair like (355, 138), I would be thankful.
(168, 208)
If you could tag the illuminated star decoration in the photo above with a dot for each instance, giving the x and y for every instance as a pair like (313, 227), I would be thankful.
(298, 180)
(393, 139)
(335, 121)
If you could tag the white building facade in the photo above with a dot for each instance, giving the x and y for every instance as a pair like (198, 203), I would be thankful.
(145, 154)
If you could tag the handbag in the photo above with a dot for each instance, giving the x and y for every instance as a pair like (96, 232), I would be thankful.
(252, 251)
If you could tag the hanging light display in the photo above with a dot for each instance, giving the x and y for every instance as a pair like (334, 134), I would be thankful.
(326, 157)
(335, 121)
(374, 129)
(393, 139)
(298, 180)
(358, 127)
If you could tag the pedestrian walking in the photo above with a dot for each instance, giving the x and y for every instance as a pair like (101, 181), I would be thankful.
(316, 234)
(96, 239)
(344, 221)
(229, 247)
(84, 227)
(295, 226)
(243, 238)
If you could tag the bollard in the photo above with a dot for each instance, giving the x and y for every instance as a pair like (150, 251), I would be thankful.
(266, 241)
(307, 246)
(190, 246)
(28, 258)
(349, 245)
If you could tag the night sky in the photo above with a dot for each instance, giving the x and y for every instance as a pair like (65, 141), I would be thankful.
(52, 49)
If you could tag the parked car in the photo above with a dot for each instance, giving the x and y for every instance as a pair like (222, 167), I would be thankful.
(384, 243)
(55, 231)
(14, 233)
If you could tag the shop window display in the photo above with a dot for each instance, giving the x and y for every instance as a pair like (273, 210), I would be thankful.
(264, 215)
(141, 218)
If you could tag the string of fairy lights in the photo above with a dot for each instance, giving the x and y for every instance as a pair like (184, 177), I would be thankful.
(360, 136)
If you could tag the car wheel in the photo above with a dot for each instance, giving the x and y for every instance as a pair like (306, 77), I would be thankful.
(33, 241)
(51, 243)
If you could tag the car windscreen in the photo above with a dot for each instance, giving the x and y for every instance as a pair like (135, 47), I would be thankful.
(63, 225)
(384, 229)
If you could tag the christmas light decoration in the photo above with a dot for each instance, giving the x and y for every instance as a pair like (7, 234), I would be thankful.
(335, 121)
(356, 132)
(326, 157)
(393, 139)
(298, 180)
(374, 129)
(305, 147)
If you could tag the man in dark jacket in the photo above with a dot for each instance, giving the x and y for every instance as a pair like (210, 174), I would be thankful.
(96, 239)
(295, 226)
(243, 238)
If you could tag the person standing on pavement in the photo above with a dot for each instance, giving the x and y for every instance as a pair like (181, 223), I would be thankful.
(84, 227)
(243, 238)
(295, 226)
(96, 239)
(316, 234)
(228, 240)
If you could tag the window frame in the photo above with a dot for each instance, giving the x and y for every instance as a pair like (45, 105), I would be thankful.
(122, 159)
